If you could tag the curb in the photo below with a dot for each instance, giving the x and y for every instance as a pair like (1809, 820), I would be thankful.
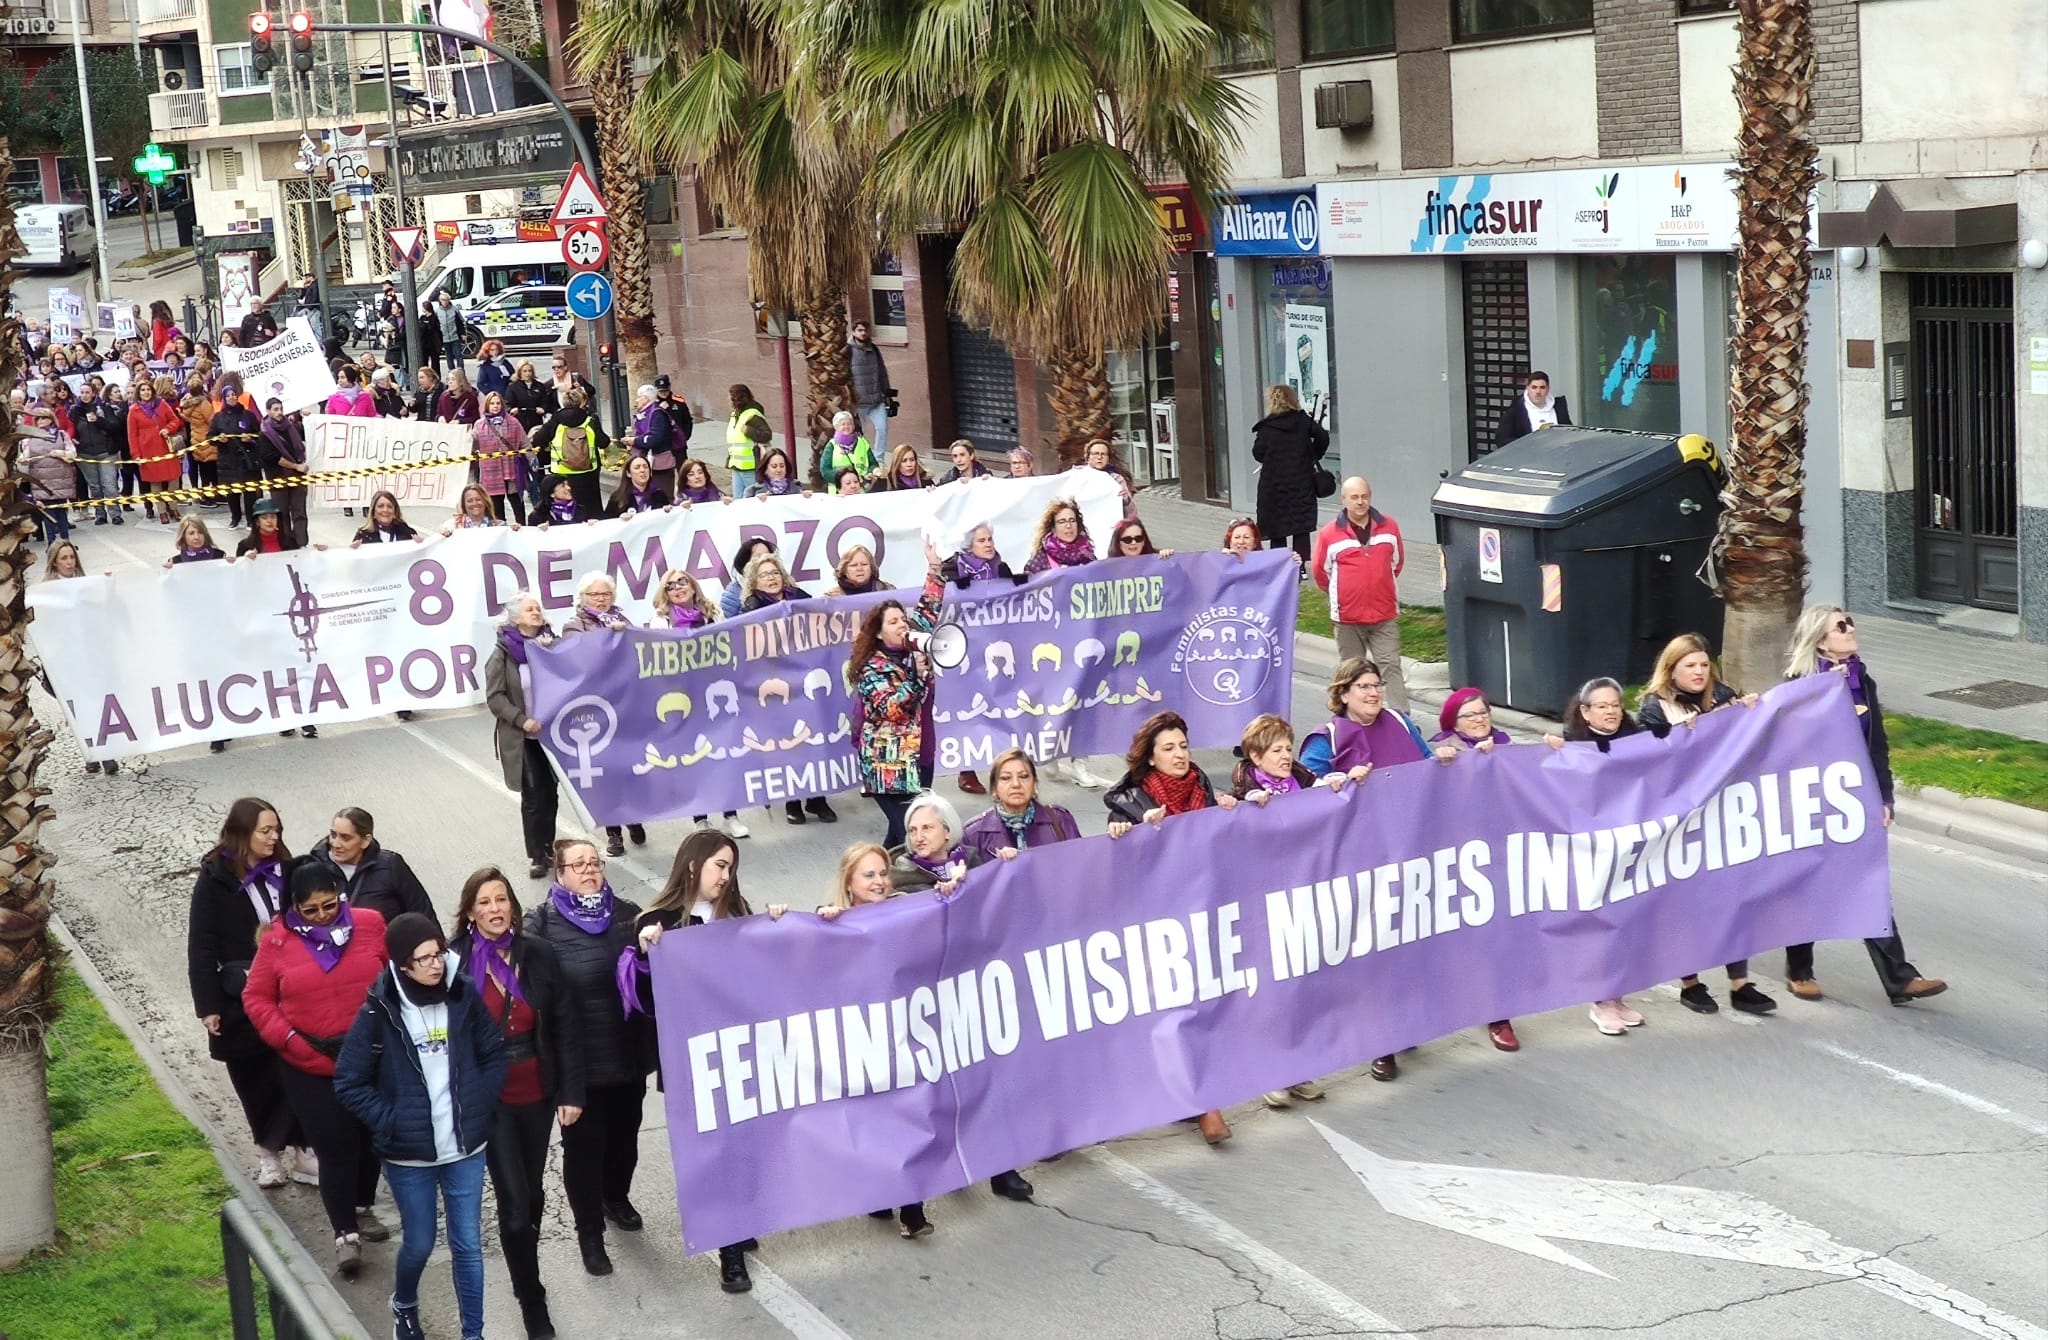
(336, 1314)
(1994, 825)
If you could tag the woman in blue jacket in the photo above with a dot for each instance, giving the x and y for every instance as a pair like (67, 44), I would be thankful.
(422, 1069)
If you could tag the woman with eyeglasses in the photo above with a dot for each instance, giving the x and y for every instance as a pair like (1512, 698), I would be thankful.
(680, 603)
(1162, 779)
(589, 927)
(1824, 643)
(767, 583)
(313, 969)
(239, 891)
(1061, 540)
(1466, 725)
(1023, 464)
(422, 1069)
(524, 994)
(372, 876)
(1130, 539)
(1684, 687)
(703, 886)
(516, 734)
(597, 611)
(735, 593)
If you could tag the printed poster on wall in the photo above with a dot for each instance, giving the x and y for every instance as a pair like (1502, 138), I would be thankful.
(237, 286)
(1308, 355)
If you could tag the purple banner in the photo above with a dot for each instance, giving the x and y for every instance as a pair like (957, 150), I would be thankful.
(817, 1070)
(654, 724)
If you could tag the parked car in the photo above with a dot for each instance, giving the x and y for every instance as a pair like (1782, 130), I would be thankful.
(531, 317)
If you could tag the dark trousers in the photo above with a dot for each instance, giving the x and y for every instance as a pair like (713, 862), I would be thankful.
(1887, 955)
(517, 1157)
(518, 505)
(539, 801)
(291, 512)
(205, 472)
(261, 1090)
(894, 810)
(665, 480)
(585, 487)
(348, 1165)
(1298, 543)
(600, 1152)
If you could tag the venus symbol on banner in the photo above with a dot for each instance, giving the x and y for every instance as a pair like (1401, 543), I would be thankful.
(1520, 1210)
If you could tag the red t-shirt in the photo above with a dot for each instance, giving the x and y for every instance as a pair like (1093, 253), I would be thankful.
(522, 1078)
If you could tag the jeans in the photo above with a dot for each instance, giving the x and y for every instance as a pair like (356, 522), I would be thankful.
(461, 1188)
(877, 421)
(53, 523)
(102, 478)
(540, 800)
(742, 480)
(291, 513)
(451, 355)
(601, 1151)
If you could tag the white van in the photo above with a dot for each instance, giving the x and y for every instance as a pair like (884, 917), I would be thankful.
(57, 237)
(472, 274)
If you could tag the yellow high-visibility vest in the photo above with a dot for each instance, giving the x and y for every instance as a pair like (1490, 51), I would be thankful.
(739, 448)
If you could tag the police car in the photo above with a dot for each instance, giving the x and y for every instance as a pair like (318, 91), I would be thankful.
(530, 316)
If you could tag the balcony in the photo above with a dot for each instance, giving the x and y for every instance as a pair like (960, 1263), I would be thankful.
(165, 18)
(173, 112)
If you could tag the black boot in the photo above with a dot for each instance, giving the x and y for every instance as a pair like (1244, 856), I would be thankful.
(1010, 1184)
(621, 1214)
(794, 812)
(732, 1270)
(637, 834)
(533, 1311)
(595, 1261)
(821, 809)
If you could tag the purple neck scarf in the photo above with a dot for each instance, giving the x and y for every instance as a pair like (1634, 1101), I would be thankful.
(516, 643)
(977, 569)
(484, 950)
(641, 501)
(327, 942)
(685, 616)
(777, 487)
(1279, 786)
(610, 618)
(940, 867)
(562, 511)
(1852, 670)
(846, 438)
(590, 913)
(703, 493)
(264, 887)
(1068, 553)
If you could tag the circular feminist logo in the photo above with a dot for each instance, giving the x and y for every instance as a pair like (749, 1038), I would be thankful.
(1227, 654)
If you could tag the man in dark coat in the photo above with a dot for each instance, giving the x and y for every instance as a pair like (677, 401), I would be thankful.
(1531, 410)
(258, 325)
(1288, 445)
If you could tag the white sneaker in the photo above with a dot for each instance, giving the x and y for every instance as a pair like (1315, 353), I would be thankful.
(270, 1173)
(734, 828)
(1077, 772)
(1277, 1098)
(301, 1166)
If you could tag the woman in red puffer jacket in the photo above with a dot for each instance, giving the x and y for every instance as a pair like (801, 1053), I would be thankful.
(314, 967)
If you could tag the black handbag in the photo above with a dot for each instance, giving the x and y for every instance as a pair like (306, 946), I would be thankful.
(1326, 483)
(894, 406)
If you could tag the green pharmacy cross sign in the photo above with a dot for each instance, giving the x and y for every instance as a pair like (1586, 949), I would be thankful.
(153, 163)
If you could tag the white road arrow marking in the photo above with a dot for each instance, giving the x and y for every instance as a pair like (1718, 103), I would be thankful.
(1520, 1210)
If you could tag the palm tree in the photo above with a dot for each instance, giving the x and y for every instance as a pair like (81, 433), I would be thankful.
(1761, 545)
(624, 170)
(1032, 127)
(726, 94)
(28, 969)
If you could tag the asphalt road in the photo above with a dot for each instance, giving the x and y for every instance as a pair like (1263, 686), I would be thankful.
(1907, 1143)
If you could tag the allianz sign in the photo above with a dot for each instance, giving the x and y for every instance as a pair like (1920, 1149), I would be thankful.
(1275, 223)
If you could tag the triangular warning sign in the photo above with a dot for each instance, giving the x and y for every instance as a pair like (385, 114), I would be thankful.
(579, 200)
(407, 244)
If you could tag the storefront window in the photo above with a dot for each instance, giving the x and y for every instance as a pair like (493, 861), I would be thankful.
(1141, 409)
(1628, 331)
(887, 301)
(1295, 341)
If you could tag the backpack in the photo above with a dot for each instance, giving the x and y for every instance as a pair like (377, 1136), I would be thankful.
(572, 447)
(679, 418)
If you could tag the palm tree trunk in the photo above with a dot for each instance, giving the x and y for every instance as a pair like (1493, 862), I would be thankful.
(1761, 544)
(625, 186)
(28, 987)
(1080, 401)
(829, 369)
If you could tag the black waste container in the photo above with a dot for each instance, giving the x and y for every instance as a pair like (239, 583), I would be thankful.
(1573, 553)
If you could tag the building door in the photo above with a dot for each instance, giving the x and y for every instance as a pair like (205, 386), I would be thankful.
(984, 387)
(1496, 345)
(1964, 432)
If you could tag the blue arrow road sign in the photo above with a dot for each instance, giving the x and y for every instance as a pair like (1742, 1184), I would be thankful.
(590, 295)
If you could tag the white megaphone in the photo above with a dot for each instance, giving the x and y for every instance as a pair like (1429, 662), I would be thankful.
(945, 646)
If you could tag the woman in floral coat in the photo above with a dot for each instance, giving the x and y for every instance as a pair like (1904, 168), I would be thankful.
(892, 683)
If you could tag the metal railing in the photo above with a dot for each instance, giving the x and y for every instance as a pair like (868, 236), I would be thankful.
(293, 1315)
(184, 109)
(149, 12)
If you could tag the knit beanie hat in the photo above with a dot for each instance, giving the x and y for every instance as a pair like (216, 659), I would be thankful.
(406, 933)
(1448, 718)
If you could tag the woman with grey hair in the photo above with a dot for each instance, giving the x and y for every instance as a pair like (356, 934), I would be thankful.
(654, 438)
(766, 582)
(1023, 464)
(1824, 643)
(932, 855)
(517, 736)
(597, 610)
(977, 561)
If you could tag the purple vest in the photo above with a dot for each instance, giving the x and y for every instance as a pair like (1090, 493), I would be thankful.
(1384, 743)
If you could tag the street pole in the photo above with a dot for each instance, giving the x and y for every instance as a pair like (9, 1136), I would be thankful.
(92, 156)
(408, 278)
(302, 89)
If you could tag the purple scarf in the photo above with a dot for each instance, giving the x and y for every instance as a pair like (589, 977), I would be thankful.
(942, 867)
(196, 555)
(589, 913)
(611, 618)
(775, 488)
(264, 888)
(1278, 786)
(846, 438)
(1852, 670)
(327, 942)
(685, 616)
(483, 949)
(703, 493)
(640, 500)
(559, 510)
(1068, 553)
(515, 642)
(976, 569)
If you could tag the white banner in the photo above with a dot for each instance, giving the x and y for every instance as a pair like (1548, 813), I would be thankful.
(334, 442)
(67, 315)
(291, 368)
(156, 660)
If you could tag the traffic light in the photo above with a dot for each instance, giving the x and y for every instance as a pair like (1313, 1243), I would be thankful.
(262, 52)
(301, 24)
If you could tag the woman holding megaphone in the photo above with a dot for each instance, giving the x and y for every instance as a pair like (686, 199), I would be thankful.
(891, 678)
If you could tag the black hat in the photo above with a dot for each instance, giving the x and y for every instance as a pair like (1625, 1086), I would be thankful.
(661, 383)
(407, 932)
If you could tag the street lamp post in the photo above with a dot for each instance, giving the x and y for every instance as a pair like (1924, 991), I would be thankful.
(92, 161)
(408, 276)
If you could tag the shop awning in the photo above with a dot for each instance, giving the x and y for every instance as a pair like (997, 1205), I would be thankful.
(1922, 212)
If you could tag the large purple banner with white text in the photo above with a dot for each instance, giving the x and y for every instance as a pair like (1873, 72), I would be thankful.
(655, 724)
(817, 1070)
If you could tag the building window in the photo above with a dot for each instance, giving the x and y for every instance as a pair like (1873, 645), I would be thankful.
(1705, 6)
(887, 303)
(1245, 56)
(1629, 348)
(25, 181)
(1296, 344)
(1345, 27)
(1507, 18)
(238, 71)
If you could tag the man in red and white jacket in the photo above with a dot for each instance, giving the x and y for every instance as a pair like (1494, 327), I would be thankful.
(1357, 557)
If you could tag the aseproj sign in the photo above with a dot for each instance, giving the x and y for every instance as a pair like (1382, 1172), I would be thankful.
(1267, 223)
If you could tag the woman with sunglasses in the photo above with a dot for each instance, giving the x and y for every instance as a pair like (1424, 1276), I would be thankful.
(313, 968)
(1130, 539)
(589, 927)
(422, 1069)
(1824, 643)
